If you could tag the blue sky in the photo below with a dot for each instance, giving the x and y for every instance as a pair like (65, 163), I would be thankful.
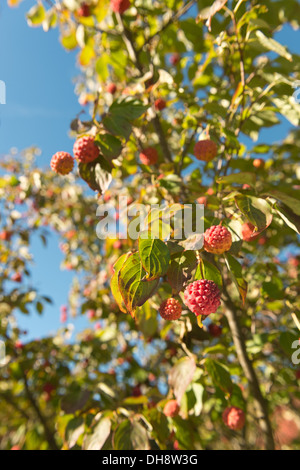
(41, 103)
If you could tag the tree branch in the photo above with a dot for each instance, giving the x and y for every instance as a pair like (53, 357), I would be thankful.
(49, 434)
(248, 369)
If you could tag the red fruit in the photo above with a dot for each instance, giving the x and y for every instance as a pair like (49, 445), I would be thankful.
(5, 235)
(136, 391)
(234, 418)
(175, 58)
(117, 245)
(160, 104)
(17, 277)
(202, 297)
(176, 445)
(205, 150)
(97, 326)
(258, 163)
(62, 163)
(119, 6)
(248, 233)
(19, 344)
(48, 388)
(84, 10)
(149, 156)
(262, 241)
(217, 239)
(15, 448)
(293, 262)
(91, 314)
(85, 149)
(246, 186)
(298, 374)
(210, 191)
(202, 200)
(63, 317)
(111, 88)
(171, 408)
(170, 309)
(214, 330)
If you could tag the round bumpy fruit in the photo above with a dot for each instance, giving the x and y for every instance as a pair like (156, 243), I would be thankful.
(149, 156)
(217, 239)
(85, 150)
(119, 6)
(160, 104)
(62, 163)
(171, 408)
(170, 309)
(202, 297)
(234, 418)
(205, 150)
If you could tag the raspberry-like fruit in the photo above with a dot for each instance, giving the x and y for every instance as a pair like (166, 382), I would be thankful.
(160, 104)
(84, 10)
(214, 330)
(248, 233)
(17, 277)
(62, 163)
(5, 235)
(205, 150)
(149, 156)
(119, 6)
(111, 88)
(234, 418)
(202, 297)
(217, 239)
(171, 408)
(85, 149)
(170, 309)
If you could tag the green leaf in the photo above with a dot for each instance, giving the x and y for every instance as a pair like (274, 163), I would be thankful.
(257, 210)
(74, 430)
(181, 375)
(117, 125)
(134, 288)
(110, 146)
(155, 256)
(291, 219)
(147, 321)
(235, 270)
(97, 439)
(39, 307)
(114, 283)
(101, 67)
(130, 436)
(36, 15)
(206, 270)
(271, 45)
(289, 197)
(128, 108)
(180, 269)
(238, 178)
(159, 423)
(96, 174)
(219, 375)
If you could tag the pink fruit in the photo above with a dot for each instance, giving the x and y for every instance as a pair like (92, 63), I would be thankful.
(234, 418)
(170, 309)
(149, 156)
(160, 104)
(84, 10)
(202, 297)
(17, 277)
(119, 6)
(258, 163)
(171, 408)
(111, 88)
(205, 150)
(217, 239)
(85, 150)
(175, 58)
(214, 330)
(62, 163)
